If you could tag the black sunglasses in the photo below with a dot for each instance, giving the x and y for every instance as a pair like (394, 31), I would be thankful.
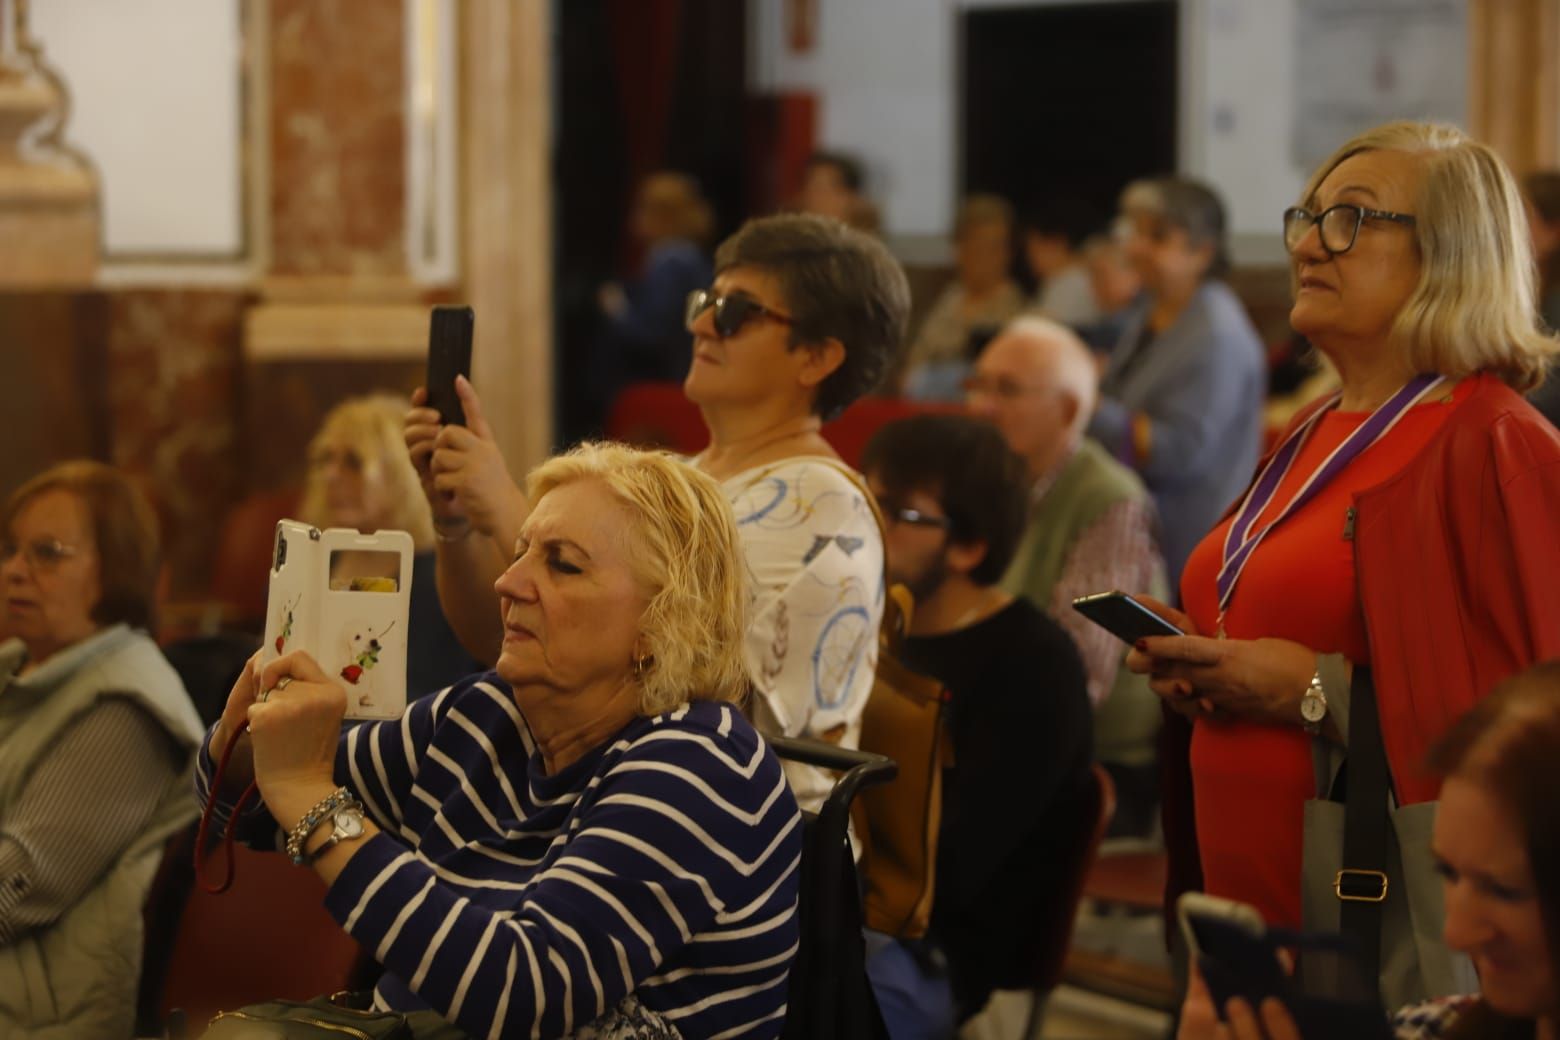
(731, 312)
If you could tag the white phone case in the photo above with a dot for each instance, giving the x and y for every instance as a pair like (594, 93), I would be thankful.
(356, 631)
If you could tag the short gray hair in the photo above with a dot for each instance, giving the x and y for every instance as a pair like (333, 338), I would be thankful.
(838, 283)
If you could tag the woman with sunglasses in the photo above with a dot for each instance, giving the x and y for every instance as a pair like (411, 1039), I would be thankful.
(1406, 524)
(805, 316)
(96, 740)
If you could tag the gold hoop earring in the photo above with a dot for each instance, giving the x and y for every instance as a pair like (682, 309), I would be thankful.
(641, 666)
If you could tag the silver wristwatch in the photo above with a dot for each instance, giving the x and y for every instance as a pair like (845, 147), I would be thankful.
(348, 822)
(1313, 705)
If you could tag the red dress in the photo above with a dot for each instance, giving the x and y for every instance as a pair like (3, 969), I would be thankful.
(1250, 781)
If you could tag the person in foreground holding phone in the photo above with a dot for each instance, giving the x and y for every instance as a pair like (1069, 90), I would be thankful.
(805, 316)
(591, 836)
(96, 739)
(1497, 848)
(1405, 525)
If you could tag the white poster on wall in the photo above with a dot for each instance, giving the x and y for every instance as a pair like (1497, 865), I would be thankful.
(1359, 63)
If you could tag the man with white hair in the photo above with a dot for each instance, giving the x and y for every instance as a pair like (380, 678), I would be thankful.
(1092, 528)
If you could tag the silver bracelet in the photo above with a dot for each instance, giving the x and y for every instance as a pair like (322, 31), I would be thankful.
(326, 808)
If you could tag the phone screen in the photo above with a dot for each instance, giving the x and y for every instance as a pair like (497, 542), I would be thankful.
(449, 355)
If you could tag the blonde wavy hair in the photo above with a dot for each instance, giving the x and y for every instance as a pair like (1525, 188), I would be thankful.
(1475, 307)
(371, 426)
(686, 553)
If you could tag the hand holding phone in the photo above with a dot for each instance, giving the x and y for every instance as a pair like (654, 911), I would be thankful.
(1238, 956)
(449, 355)
(1124, 617)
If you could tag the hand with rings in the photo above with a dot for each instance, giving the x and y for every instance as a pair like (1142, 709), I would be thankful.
(281, 684)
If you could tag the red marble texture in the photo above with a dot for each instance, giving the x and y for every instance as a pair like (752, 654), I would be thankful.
(173, 368)
(337, 95)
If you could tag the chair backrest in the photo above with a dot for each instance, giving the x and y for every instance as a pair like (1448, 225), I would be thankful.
(241, 571)
(269, 936)
(657, 415)
(830, 997)
(1077, 847)
(849, 433)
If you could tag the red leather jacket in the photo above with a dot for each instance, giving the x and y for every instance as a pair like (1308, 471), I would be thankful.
(1458, 563)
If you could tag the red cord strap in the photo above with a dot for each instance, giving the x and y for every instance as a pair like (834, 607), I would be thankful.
(205, 820)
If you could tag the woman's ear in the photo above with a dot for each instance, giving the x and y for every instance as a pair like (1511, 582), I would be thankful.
(964, 557)
(823, 359)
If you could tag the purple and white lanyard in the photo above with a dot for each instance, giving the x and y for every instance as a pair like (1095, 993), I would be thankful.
(1240, 541)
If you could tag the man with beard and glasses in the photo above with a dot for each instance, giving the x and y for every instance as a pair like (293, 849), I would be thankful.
(954, 500)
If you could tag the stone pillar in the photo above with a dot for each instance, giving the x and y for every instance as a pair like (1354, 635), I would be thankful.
(507, 230)
(1514, 80)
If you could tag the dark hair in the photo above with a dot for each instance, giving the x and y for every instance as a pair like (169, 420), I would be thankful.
(968, 467)
(1197, 209)
(1510, 743)
(1542, 188)
(1072, 219)
(124, 528)
(849, 167)
(837, 282)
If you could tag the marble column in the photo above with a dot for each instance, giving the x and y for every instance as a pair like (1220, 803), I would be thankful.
(506, 218)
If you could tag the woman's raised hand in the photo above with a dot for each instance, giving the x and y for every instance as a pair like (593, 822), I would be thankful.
(462, 470)
(295, 725)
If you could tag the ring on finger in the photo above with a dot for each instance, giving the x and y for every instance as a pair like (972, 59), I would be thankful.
(282, 683)
(264, 696)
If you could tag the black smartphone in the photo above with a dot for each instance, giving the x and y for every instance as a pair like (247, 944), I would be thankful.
(449, 355)
(1238, 957)
(1124, 617)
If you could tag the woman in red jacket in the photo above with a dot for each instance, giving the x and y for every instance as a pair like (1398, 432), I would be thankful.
(1407, 524)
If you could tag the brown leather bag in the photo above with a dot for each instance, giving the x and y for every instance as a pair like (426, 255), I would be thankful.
(897, 823)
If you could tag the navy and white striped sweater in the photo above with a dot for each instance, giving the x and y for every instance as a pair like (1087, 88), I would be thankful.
(518, 904)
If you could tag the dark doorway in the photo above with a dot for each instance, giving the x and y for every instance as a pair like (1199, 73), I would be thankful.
(640, 86)
(1068, 102)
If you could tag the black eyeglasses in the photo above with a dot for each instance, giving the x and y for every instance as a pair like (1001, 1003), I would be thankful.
(1337, 226)
(731, 312)
(914, 517)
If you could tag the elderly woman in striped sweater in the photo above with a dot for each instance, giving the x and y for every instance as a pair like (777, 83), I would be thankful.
(591, 840)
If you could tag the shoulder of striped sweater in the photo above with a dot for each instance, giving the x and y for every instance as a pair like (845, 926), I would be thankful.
(483, 695)
(698, 729)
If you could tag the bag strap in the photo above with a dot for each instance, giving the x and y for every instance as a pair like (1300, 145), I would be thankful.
(1361, 886)
(897, 609)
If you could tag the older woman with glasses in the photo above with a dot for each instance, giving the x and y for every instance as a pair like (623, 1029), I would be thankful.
(1405, 525)
(805, 316)
(96, 739)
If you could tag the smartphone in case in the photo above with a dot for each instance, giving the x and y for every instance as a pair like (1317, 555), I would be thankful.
(1123, 616)
(449, 355)
(1237, 955)
(344, 597)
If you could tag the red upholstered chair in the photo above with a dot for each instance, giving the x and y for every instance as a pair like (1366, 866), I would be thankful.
(1076, 845)
(240, 574)
(268, 936)
(657, 415)
(850, 432)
